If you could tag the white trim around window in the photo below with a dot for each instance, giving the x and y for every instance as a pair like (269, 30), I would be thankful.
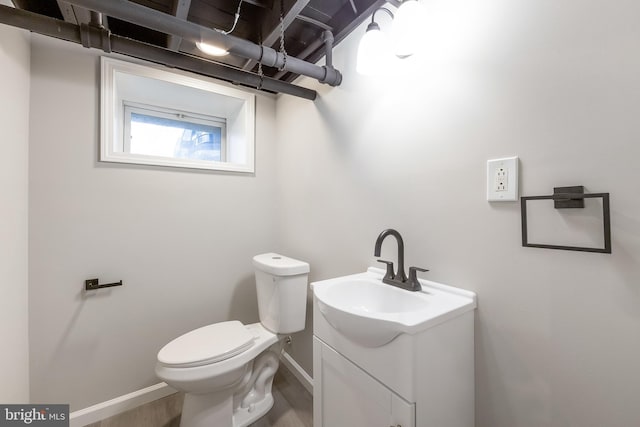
(127, 87)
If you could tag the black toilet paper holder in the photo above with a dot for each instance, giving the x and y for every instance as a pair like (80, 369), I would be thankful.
(92, 285)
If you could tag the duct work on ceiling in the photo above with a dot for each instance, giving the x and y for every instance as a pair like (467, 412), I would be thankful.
(95, 35)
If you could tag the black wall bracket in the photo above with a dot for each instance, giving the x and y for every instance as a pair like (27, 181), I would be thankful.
(570, 198)
(92, 285)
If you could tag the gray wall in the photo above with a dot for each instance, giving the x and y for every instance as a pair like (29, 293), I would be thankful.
(14, 145)
(555, 83)
(182, 241)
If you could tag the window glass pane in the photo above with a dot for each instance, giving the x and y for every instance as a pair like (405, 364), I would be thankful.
(164, 137)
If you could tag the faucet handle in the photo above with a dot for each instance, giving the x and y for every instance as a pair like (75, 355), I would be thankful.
(390, 274)
(413, 271)
(413, 277)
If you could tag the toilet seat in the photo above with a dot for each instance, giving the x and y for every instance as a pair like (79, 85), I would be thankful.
(206, 345)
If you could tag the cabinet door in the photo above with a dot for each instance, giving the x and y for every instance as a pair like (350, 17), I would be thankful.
(346, 396)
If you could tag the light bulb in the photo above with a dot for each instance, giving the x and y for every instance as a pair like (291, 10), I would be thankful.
(407, 26)
(374, 52)
(210, 49)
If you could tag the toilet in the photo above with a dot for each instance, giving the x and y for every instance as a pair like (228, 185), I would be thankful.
(226, 369)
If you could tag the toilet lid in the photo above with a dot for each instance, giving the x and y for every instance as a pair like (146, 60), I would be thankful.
(209, 344)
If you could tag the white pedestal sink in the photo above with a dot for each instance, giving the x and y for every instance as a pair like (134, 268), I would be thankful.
(384, 356)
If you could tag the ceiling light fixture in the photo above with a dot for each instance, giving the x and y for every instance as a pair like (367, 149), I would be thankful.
(376, 53)
(210, 49)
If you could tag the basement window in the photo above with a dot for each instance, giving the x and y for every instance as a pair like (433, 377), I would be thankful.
(155, 117)
(153, 131)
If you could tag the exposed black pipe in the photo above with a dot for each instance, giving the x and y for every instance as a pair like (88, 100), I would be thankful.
(312, 47)
(100, 38)
(327, 38)
(96, 19)
(168, 24)
(34, 21)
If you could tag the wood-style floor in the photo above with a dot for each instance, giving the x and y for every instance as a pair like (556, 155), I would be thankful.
(293, 407)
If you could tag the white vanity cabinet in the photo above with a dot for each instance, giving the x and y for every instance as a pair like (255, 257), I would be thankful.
(387, 357)
(345, 395)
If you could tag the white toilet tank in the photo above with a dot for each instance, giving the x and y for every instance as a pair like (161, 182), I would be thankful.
(281, 285)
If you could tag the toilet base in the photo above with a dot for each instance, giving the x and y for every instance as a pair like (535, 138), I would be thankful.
(204, 410)
(249, 401)
(243, 417)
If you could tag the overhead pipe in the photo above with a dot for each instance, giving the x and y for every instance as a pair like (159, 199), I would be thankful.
(327, 41)
(327, 38)
(311, 47)
(96, 19)
(169, 24)
(93, 36)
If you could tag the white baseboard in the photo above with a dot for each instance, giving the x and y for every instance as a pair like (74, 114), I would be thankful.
(297, 371)
(119, 405)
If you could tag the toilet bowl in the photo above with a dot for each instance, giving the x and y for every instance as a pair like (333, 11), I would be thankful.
(226, 369)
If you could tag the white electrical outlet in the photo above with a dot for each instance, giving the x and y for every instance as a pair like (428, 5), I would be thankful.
(502, 180)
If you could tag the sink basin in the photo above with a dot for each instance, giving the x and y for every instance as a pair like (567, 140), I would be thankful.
(372, 313)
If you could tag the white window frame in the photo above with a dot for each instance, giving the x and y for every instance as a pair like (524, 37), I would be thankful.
(125, 84)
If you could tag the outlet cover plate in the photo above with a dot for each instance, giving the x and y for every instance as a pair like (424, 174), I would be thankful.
(502, 179)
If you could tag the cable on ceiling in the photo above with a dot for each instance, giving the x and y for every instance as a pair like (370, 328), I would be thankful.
(235, 21)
